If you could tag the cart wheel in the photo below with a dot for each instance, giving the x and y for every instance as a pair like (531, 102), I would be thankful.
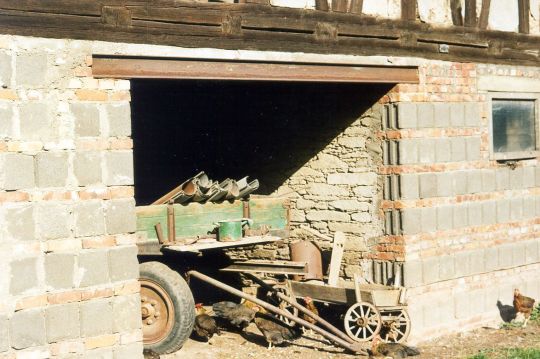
(362, 321)
(283, 305)
(396, 325)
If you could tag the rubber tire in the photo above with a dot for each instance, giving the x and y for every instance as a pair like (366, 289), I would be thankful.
(183, 303)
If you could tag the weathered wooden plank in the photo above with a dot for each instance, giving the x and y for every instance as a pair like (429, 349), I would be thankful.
(455, 9)
(339, 5)
(470, 13)
(484, 14)
(324, 293)
(408, 10)
(201, 246)
(356, 6)
(321, 5)
(178, 15)
(524, 7)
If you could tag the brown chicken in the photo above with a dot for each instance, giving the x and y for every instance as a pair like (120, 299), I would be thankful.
(390, 350)
(205, 326)
(524, 305)
(238, 315)
(312, 308)
(275, 331)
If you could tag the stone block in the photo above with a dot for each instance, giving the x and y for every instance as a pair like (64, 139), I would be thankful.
(426, 151)
(442, 115)
(473, 148)
(429, 219)
(459, 182)
(407, 116)
(19, 223)
(323, 189)
(89, 218)
(93, 267)
(502, 178)
(518, 254)
(119, 166)
(27, 328)
(99, 353)
(96, 317)
(409, 186)
(6, 115)
(529, 207)
(87, 122)
(87, 168)
(477, 261)
(474, 212)
(411, 220)
(489, 183)
(119, 117)
(460, 216)
(4, 333)
(447, 267)
(325, 161)
(443, 150)
(474, 181)
(445, 187)
(528, 177)
(362, 178)
(27, 268)
(62, 322)
(126, 313)
(120, 216)
(31, 69)
(430, 270)
(428, 185)
(489, 212)
(503, 210)
(52, 169)
(133, 350)
(362, 217)
(17, 171)
(462, 304)
(457, 115)
(505, 256)
(516, 178)
(35, 121)
(491, 258)
(327, 215)
(445, 218)
(6, 70)
(472, 114)
(60, 227)
(59, 270)
(425, 113)
(516, 209)
(408, 151)
(459, 149)
(412, 273)
(349, 205)
(123, 263)
(531, 251)
(462, 262)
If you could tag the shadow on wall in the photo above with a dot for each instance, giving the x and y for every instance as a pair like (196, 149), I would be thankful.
(266, 130)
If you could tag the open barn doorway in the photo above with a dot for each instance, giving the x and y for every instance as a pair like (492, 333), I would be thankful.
(231, 129)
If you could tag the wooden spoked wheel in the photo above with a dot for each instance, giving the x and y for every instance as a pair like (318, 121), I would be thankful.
(396, 325)
(274, 299)
(362, 321)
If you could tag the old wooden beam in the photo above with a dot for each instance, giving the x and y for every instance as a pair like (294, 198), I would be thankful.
(356, 6)
(524, 10)
(339, 5)
(484, 14)
(455, 9)
(321, 5)
(470, 13)
(408, 10)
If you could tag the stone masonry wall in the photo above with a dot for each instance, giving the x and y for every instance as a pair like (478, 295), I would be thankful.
(68, 274)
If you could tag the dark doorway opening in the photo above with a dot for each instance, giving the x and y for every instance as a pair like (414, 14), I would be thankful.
(265, 130)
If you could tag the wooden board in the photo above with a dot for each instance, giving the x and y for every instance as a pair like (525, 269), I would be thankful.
(246, 241)
(266, 266)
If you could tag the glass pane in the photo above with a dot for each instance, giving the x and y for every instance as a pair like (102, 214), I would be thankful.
(513, 125)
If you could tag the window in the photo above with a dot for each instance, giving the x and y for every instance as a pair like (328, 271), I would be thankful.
(514, 126)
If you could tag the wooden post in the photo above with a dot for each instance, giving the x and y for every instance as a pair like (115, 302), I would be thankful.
(470, 13)
(356, 6)
(339, 5)
(171, 229)
(524, 9)
(321, 5)
(455, 8)
(484, 14)
(408, 10)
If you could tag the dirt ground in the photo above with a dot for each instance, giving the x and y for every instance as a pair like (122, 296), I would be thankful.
(231, 345)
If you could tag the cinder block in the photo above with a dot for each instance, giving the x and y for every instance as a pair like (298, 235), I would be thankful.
(430, 269)
(126, 313)
(86, 119)
(531, 251)
(429, 219)
(89, 218)
(537, 176)
(459, 149)
(96, 317)
(443, 150)
(59, 269)
(412, 273)
(489, 212)
(442, 115)
(474, 181)
(94, 268)
(119, 168)
(445, 187)
(28, 266)
(425, 113)
(462, 262)
(529, 207)
(87, 168)
(528, 177)
(473, 148)
(428, 185)
(489, 183)
(502, 177)
(431, 314)
(462, 304)
(445, 218)
(35, 121)
(447, 307)
(5, 70)
(503, 210)
(426, 151)
(4, 333)
(516, 209)
(119, 117)
(60, 227)
(459, 182)
(472, 114)
(6, 114)
(516, 178)
(537, 205)
(31, 69)
(52, 169)
(477, 261)
(505, 256)
(461, 216)
(17, 171)
(457, 115)
(474, 212)
(123, 263)
(100, 353)
(133, 350)
(491, 297)
(62, 322)
(407, 117)
(518, 254)
(27, 328)
(20, 222)
(446, 267)
(409, 186)
(408, 151)
(411, 220)
(120, 216)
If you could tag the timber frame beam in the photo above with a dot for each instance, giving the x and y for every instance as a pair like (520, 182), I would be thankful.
(260, 27)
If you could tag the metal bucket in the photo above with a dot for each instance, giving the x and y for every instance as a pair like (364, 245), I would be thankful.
(230, 230)
(307, 251)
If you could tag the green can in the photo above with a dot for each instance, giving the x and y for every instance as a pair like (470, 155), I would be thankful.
(230, 230)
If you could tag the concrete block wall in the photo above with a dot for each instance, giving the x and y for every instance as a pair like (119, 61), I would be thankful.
(468, 225)
(69, 267)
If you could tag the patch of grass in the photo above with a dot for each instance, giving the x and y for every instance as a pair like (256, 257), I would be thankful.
(511, 325)
(481, 355)
(535, 315)
(510, 353)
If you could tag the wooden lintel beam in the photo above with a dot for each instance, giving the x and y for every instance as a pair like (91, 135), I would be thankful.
(470, 13)
(524, 10)
(484, 14)
(408, 10)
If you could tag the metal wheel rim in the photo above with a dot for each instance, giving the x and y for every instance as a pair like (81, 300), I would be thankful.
(158, 324)
(284, 305)
(362, 321)
(400, 325)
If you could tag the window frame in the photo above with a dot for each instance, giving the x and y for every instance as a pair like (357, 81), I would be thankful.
(517, 155)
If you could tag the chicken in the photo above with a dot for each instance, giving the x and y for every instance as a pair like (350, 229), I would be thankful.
(252, 305)
(390, 350)
(238, 315)
(275, 331)
(312, 308)
(150, 354)
(524, 305)
(205, 326)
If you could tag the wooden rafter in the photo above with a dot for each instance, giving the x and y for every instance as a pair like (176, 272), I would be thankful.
(408, 10)
(470, 13)
(524, 10)
(455, 9)
(484, 14)
(356, 6)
